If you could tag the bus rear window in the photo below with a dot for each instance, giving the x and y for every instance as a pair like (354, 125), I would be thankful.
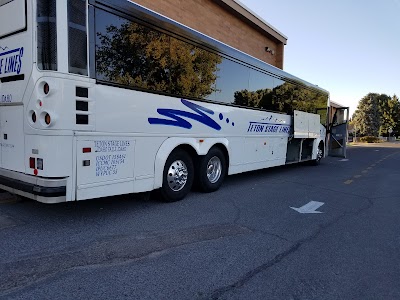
(12, 16)
(77, 39)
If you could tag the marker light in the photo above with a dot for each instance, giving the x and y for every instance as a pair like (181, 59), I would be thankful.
(40, 163)
(46, 88)
(47, 119)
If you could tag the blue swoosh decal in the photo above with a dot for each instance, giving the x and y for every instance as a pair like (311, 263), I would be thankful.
(175, 115)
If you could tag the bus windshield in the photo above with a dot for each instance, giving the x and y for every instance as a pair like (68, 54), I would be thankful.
(12, 16)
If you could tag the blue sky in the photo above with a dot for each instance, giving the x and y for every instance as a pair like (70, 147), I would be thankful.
(348, 47)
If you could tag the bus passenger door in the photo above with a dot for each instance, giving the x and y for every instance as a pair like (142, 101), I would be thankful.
(337, 133)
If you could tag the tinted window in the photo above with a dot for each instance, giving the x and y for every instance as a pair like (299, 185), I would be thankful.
(261, 85)
(46, 34)
(77, 40)
(130, 54)
(259, 92)
(283, 96)
(290, 96)
(308, 100)
(231, 78)
(193, 70)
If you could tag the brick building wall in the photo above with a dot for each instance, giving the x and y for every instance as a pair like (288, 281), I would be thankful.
(221, 23)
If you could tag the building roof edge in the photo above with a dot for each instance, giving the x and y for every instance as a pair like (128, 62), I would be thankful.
(253, 18)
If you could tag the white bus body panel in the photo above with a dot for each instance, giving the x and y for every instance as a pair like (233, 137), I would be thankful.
(16, 66)
(13, 17)
(108, 169)
(12, 138)
(306, 125)
(136, 132)
(16, 55)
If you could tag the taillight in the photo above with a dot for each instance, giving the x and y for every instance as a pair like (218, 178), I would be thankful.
(46, 88)
(47, 119)
(32, 162)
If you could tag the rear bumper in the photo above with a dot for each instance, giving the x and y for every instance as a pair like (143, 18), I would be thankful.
(41, 189)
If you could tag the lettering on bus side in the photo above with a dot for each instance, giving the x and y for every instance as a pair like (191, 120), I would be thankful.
(11, 61)
(109, 164)
(5, 145)
(256, 127)
(6, 98)
(111, 146)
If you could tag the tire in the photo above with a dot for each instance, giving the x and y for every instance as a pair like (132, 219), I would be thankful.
(178, 176)
(320, 155)
(211, 170)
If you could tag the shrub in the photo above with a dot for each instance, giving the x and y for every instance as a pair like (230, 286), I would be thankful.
(369, 139)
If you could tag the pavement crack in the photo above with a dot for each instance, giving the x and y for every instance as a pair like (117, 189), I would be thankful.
(272, 234)
(19, 274)
(218, 293)
(324, 188)
(238, 212)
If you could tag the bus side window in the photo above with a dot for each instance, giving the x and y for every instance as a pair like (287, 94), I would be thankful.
(130, 54)
(192, 70)
(283, 96)
(260, 89)
(232, 77)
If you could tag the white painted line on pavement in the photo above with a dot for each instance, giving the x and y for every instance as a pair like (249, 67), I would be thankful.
(309, 208)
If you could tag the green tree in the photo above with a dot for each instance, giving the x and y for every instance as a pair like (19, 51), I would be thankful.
(367, 116)
(394, 108)
(388, 110)
(376, 113)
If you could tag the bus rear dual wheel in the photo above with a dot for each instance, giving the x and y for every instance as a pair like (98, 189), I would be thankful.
(179, 173)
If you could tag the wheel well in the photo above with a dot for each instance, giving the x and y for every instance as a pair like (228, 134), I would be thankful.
(189, 149)
(193, 154)
(225, 152)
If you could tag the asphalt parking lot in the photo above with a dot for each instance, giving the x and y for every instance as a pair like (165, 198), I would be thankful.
(293, 232)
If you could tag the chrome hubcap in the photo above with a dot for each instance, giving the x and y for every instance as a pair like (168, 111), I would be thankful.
(177, 175)
(214, 169)
(320, 154)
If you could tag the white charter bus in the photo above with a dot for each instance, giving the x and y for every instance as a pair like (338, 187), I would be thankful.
(105, 97)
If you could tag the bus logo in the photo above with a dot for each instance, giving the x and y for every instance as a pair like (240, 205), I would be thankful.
(11, 61)
(176, 116)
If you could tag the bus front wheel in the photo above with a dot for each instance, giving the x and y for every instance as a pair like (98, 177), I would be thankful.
(211, 170)
(177, 176)
(320, 155)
